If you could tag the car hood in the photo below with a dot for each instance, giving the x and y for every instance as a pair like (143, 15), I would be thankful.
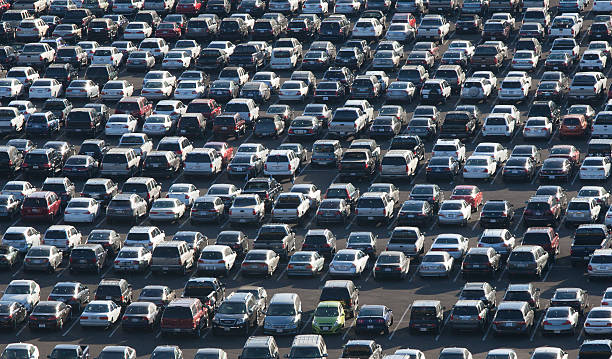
(325, 320)
(278, 320)
(230, 316)
(20, 298)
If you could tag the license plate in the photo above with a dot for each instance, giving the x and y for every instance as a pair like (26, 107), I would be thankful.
(226, 329)
(425, 96)
(370, 218)
(242, 220)
(465, 28)
(551, 177)
(224, 128)
(210, 267)
(493, 220)
(587, 257)
(325, 98)
(42, 325)
(134, 319)
(557, 331)
(279, 330)
(325, 328)
(82, 261)
(387, 269)
(411, 216)
(370, 327)
(439, 9)
(507, 324)
(423, 329)
(164, 268)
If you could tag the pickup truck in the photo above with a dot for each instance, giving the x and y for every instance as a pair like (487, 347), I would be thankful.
(459, 124)
(364, 106)
(564, 26)
(368, 144)
(587, 85)
(247, 208)
(505, 6)
(587, 239)
(290, 207)
(433, 27)
(210, 291)
(487, 57)
(347, 121)
(248, 57)
(444, 6)
(277, 237)
(266, 188)
(69, 351)
(36, 54)
(357, 163)
(567, 45)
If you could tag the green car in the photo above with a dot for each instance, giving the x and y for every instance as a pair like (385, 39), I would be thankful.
(328, 318)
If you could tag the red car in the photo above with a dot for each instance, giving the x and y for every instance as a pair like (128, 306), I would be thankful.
(168, 31)
(566, 151)
(573, 126)
(207, 107)
(4, 6)
(545, 237)
(471, 194)
(136, 106)
(223, 149)
(189, 7)
(41, 205)
(184, 315)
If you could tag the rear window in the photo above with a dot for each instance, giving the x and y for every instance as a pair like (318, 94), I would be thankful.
(166, 252)
(177, 312)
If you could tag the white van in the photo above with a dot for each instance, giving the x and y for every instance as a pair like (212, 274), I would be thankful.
(283, 58)
(283, 163)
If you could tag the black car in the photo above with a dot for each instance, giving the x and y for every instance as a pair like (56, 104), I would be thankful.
(266, 30)
(233, 29)
(79, 17)
(545, 109)
(302, 28)
(327, 91)
(496, 214)
(342, 74)
(63, 73)
(519, 168)
(75, 294)
(428, 192)
(236, 240)
(442, 168)
(60, 107)
(118, 290)
(211, 59)
(374, 319)
(468, 23)
(408, 142)
(12, 315)
(42, 162)
(600, 31)
(101, 74)
(267, 188)
(102, 29)
(350, 57)
(416, 213)
(335, 30)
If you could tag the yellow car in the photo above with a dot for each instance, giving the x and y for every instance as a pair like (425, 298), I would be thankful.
(328, 318)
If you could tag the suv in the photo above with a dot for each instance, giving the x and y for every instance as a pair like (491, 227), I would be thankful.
(184, 315)
(482, 291)
(544, 210)
(146, 187)
(117, 290)
(513, 317)
(83, 121)
(545, 237)
(527, 260)
(264, 346)
(470, 315)
(100, 189)
(343, 291)
(41, 205)
(42, 161)
(87, 257)
(239, 311)
(374, 206)
(120, 162)
(173, 255)
(426, 315)
(587, 239)
(127, 206)
(138, 107)
(310, 343)
(321, 241)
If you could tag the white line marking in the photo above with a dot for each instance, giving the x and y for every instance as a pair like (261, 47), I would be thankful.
(414, 274)
(114, 330)
(457, 276)
(417, 174)
(486, 334)
(479, 133)
(552, 137)
(580, 335)
(18, 271)
(224, 225)
(70, 328)
(304, 169)
(575, 176)
(499, 171)
(307, 226)
(369, 275)
(21, 330)
(547, 273)
(432, 225)
(206, 334)
(184, 223)
(501, 275)
(474, 225)
(61, 272)
(15, 222)
(306, 324)
(535, 330)
(282, 273)
(398, 323)
(351, 222)
(442, 329)
(392, 224)
(324, 276)
(535, 178)
(519, 222)
(348, 329)
(148, 274)
(108, 270)
(158, 335)
(237, 274)
(99, 223)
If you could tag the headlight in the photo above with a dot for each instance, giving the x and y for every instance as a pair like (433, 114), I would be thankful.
(240, 320)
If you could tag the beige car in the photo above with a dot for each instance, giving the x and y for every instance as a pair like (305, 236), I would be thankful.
(260, 261)
(175, 256)
(43, 258)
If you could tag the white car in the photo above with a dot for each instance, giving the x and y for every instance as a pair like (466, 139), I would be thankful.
(599, 321)
(158, 125)
(21, 350)
(454, 244)
(11, 88)
(593, 60)
(310, 191)
(606, 299)
(401, 32)
(368, 28)
(117, 125)
(189, 90)
(176, 60)
(216, 258)
(525, 60)
(538, 127)
(132, 259)
(137, 31)
(386, 59)
(100, 313)
(348, 262)
(156, 89)
(284, 58)
(260, 261)
(487, 75)
(436, 264)
(173, 108)
(253, 149)
(509, 109)
(465, 45)
(248, 19)
(107, 56)
(116, 90)
(492, 149)
(21, 238)
(499, 124)
(320, 7)
(45, 88)
(19, 189)
(269, 78)
(455, 212)
(167, 210)
(482, 167)
(89, 47)
(293, 91)
(226, 46)
(82, 210)
(184, 192)
(513, 90)
(83, 89)
(600, 264)
(595, 168)
(348, 7)
(505, 17)
(191, 46)
(23, 291)
(159, 75)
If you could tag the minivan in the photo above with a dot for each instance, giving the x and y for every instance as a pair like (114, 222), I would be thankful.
(172, 256)
(343, 291)
(284, 314)
(326, 152)
(120, 162)
(400, 164)
(513, 317)
(313, 344)
(426, 315)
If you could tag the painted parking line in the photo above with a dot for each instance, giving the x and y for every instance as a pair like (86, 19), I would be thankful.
(535, 330)
(519, 222)
(225, 224)
(443, 326)
(324, 276)
(206, 334)
(399, 322)
(486, 334)
(369, 275)
(307, 323)
(552, 137)
(148, 274)
(351, 223)
(348, 329)
(575, 176)
(282, 273)
(580, 335)
(158, 334)
(108, 270)
(501, 275)
(100, 222)
(237, 274)
(457, 275)
(21, 330)
(417, 175)
(475, 225)
(18, 271)
(61, 272)
(76, 320)
(547, 273)
(117, 326)
(535, 177)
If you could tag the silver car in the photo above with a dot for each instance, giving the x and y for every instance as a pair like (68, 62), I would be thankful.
(260, 261)
(305, 263)
(560, 320)
(42, 257)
